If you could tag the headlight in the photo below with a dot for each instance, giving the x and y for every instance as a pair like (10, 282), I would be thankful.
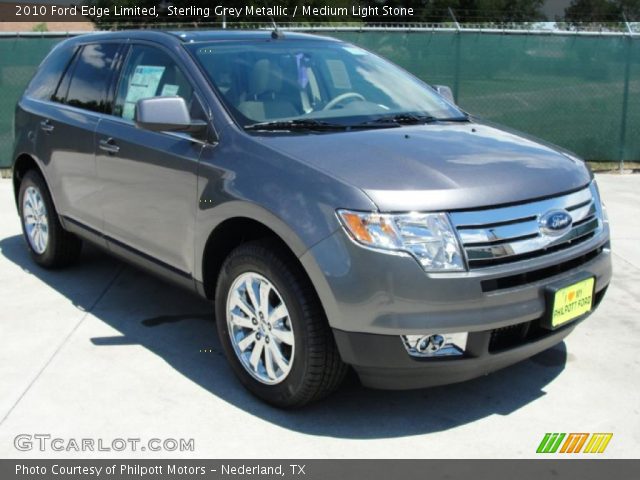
(600, 206)
(429, 237)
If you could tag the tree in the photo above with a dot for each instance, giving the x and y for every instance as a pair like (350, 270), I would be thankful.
(602, 11)
(500, 10)
(483, 11)
(477, 11)
(164, 18)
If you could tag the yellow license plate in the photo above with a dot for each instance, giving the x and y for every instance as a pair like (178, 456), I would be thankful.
(572, 301)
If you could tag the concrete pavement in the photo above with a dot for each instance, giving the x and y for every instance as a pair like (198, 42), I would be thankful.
(105, 351)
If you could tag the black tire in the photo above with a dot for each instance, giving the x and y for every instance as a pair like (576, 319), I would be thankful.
(317, 369)
(62, 247)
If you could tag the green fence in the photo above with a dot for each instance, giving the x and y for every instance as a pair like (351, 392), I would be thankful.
(581, 92)
(566, 89)
(19, 58)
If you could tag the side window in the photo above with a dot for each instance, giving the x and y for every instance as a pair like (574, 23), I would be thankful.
(90, 77)
(150, 72)
(46, 79)
(60, 94)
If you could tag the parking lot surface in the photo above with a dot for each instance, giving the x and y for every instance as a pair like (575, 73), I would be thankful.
(104, 351)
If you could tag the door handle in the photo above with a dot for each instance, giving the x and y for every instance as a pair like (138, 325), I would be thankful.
(108, 145)
(46, 127)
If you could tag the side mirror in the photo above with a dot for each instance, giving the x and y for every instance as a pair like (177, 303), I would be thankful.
(166, 114)
(445, 92)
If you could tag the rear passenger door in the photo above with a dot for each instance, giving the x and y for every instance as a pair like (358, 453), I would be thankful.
(65, 134)
(149, 178)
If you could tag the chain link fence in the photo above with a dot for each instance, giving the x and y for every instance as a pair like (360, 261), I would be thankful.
(19, 58)
(581, 92)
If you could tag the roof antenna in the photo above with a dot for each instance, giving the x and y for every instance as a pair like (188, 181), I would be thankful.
(276, 33)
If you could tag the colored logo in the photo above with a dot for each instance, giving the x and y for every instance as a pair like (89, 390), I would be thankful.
(555, 222)
(574, 443)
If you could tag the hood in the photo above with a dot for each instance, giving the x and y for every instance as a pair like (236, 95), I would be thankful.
(437, 166)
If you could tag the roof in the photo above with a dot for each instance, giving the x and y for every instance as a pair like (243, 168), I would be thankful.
(194, 36)
(225, 34)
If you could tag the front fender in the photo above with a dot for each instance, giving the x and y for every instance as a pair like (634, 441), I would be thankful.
(207, 224)
(242, 178)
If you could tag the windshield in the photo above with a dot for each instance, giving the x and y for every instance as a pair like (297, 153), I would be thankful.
(292, 80)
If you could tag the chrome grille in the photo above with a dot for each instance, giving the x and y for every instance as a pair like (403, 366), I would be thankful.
(508, 234)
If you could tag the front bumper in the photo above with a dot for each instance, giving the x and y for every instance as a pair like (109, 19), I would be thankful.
(372, 298)
(382, 362)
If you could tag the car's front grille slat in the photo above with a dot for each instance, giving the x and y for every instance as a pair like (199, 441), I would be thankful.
(495, 236)
(581, 212)
(584, 220)
(484, 217)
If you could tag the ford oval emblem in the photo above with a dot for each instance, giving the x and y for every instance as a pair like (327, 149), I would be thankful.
(555, 222)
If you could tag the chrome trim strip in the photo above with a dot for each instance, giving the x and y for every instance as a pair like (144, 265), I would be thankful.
(513, 231)
(530, 245)
(583, 212)
(498, 234)
(484, 218)
(495, 235)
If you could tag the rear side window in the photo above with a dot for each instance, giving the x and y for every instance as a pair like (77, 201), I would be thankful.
(89, 78)
(46, 79)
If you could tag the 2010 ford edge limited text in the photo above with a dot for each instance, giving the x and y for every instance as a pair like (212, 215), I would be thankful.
(336, 210)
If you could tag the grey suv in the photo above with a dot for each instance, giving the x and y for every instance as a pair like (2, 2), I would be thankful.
(337, 210)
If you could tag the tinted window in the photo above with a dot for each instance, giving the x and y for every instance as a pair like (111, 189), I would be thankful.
(47, 77)
(150, 72)
(90, 77)
(63, 87)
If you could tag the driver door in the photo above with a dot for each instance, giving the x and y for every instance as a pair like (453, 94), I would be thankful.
(149, 178)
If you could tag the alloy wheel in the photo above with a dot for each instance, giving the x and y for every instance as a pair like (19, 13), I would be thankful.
(260, 328)
(36, 220)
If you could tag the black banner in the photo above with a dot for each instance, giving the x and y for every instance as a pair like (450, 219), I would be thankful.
(291, 11)
(322, 469)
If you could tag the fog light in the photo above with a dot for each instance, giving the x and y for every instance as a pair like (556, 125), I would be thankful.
(435, 344)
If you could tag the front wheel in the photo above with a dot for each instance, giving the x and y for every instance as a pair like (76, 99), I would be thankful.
(272, 327)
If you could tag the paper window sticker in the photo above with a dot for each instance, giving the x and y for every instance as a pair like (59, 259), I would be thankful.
(128, 110)
(144, 84)
(169, 90)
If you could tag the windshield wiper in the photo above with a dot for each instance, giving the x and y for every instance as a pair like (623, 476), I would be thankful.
(317, 125)
(412, 119)
(300, 124)
(387, 121)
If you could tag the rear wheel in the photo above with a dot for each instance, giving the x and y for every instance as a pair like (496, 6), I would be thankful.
(49, 244)
(272, 327)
